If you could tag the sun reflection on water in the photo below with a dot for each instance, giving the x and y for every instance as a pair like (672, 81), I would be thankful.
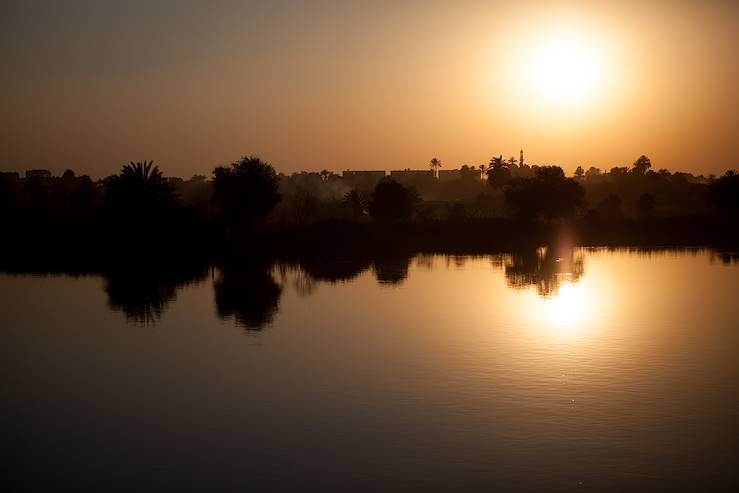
(567, 308)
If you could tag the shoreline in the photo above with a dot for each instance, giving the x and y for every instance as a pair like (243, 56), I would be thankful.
(340, 240)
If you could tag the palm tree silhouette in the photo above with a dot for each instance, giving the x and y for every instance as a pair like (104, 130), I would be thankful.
(497, 162)
(498, 172)
(435, 164)
(138, 185)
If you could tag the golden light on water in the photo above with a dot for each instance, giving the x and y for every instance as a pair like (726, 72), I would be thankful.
(568, 309)
(553, 292)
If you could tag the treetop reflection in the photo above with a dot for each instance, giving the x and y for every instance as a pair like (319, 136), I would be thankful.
(546, 268)
(249, 292)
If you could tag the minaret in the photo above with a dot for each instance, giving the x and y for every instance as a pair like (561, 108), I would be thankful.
(520, 159)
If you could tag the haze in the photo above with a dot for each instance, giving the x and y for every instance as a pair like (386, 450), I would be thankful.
(90, 85)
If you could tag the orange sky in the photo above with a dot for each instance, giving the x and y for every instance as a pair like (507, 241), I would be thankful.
(366, 85)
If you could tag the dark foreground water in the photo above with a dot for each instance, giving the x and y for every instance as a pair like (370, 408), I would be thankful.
(591, 371)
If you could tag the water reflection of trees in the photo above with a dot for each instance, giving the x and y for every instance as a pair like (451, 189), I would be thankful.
(248, 293)
(388, 270)
(333, 271)
(726, 258)
(391, 270)
(143, 291)
(546, 268)
(310, 272)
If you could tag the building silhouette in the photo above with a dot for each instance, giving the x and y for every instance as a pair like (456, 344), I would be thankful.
(38, 173)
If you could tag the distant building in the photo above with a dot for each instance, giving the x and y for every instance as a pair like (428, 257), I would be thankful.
(450, 174)
(38, 173)
(460, 174)
(413, 177)
(362, 180)
(378, 175)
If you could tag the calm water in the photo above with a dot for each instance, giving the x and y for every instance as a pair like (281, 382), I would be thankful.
(585, 371)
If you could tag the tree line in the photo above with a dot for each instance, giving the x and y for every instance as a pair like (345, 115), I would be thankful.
(249, 197)
(249, 191)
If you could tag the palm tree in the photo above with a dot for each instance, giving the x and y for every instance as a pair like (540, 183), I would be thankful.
(496, 162)
(138, 186)
(435, 164)
(498, 172)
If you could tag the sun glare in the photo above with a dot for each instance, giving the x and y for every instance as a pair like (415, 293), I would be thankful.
(567, 308)
(563, 70)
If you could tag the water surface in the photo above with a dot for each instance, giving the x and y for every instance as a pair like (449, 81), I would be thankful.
(592, 370)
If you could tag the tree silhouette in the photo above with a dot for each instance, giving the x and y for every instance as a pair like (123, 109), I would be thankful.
(724, 192)
(548, 195)
(392, 201)
(579, 172)
(246, 192)
(592, 172)
(138, 187)
(641, 165)
(498, 172)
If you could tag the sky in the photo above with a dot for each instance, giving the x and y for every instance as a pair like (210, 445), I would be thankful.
(307, 85)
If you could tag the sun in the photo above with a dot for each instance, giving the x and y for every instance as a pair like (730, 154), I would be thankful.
(563, 69)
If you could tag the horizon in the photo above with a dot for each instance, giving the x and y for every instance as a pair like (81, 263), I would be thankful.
(87, 85)
(57, 172)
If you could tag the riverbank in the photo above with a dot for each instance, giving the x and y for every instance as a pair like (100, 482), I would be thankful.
(86, 241)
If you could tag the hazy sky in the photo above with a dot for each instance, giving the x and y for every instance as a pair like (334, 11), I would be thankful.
(89, 85)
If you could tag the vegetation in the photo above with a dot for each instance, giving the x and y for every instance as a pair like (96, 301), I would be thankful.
(499, 173)
(249, 206)
(356, 203)
(392, 201)
(548, 195)
(139, 188)
(245, 193)
(724, 193)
